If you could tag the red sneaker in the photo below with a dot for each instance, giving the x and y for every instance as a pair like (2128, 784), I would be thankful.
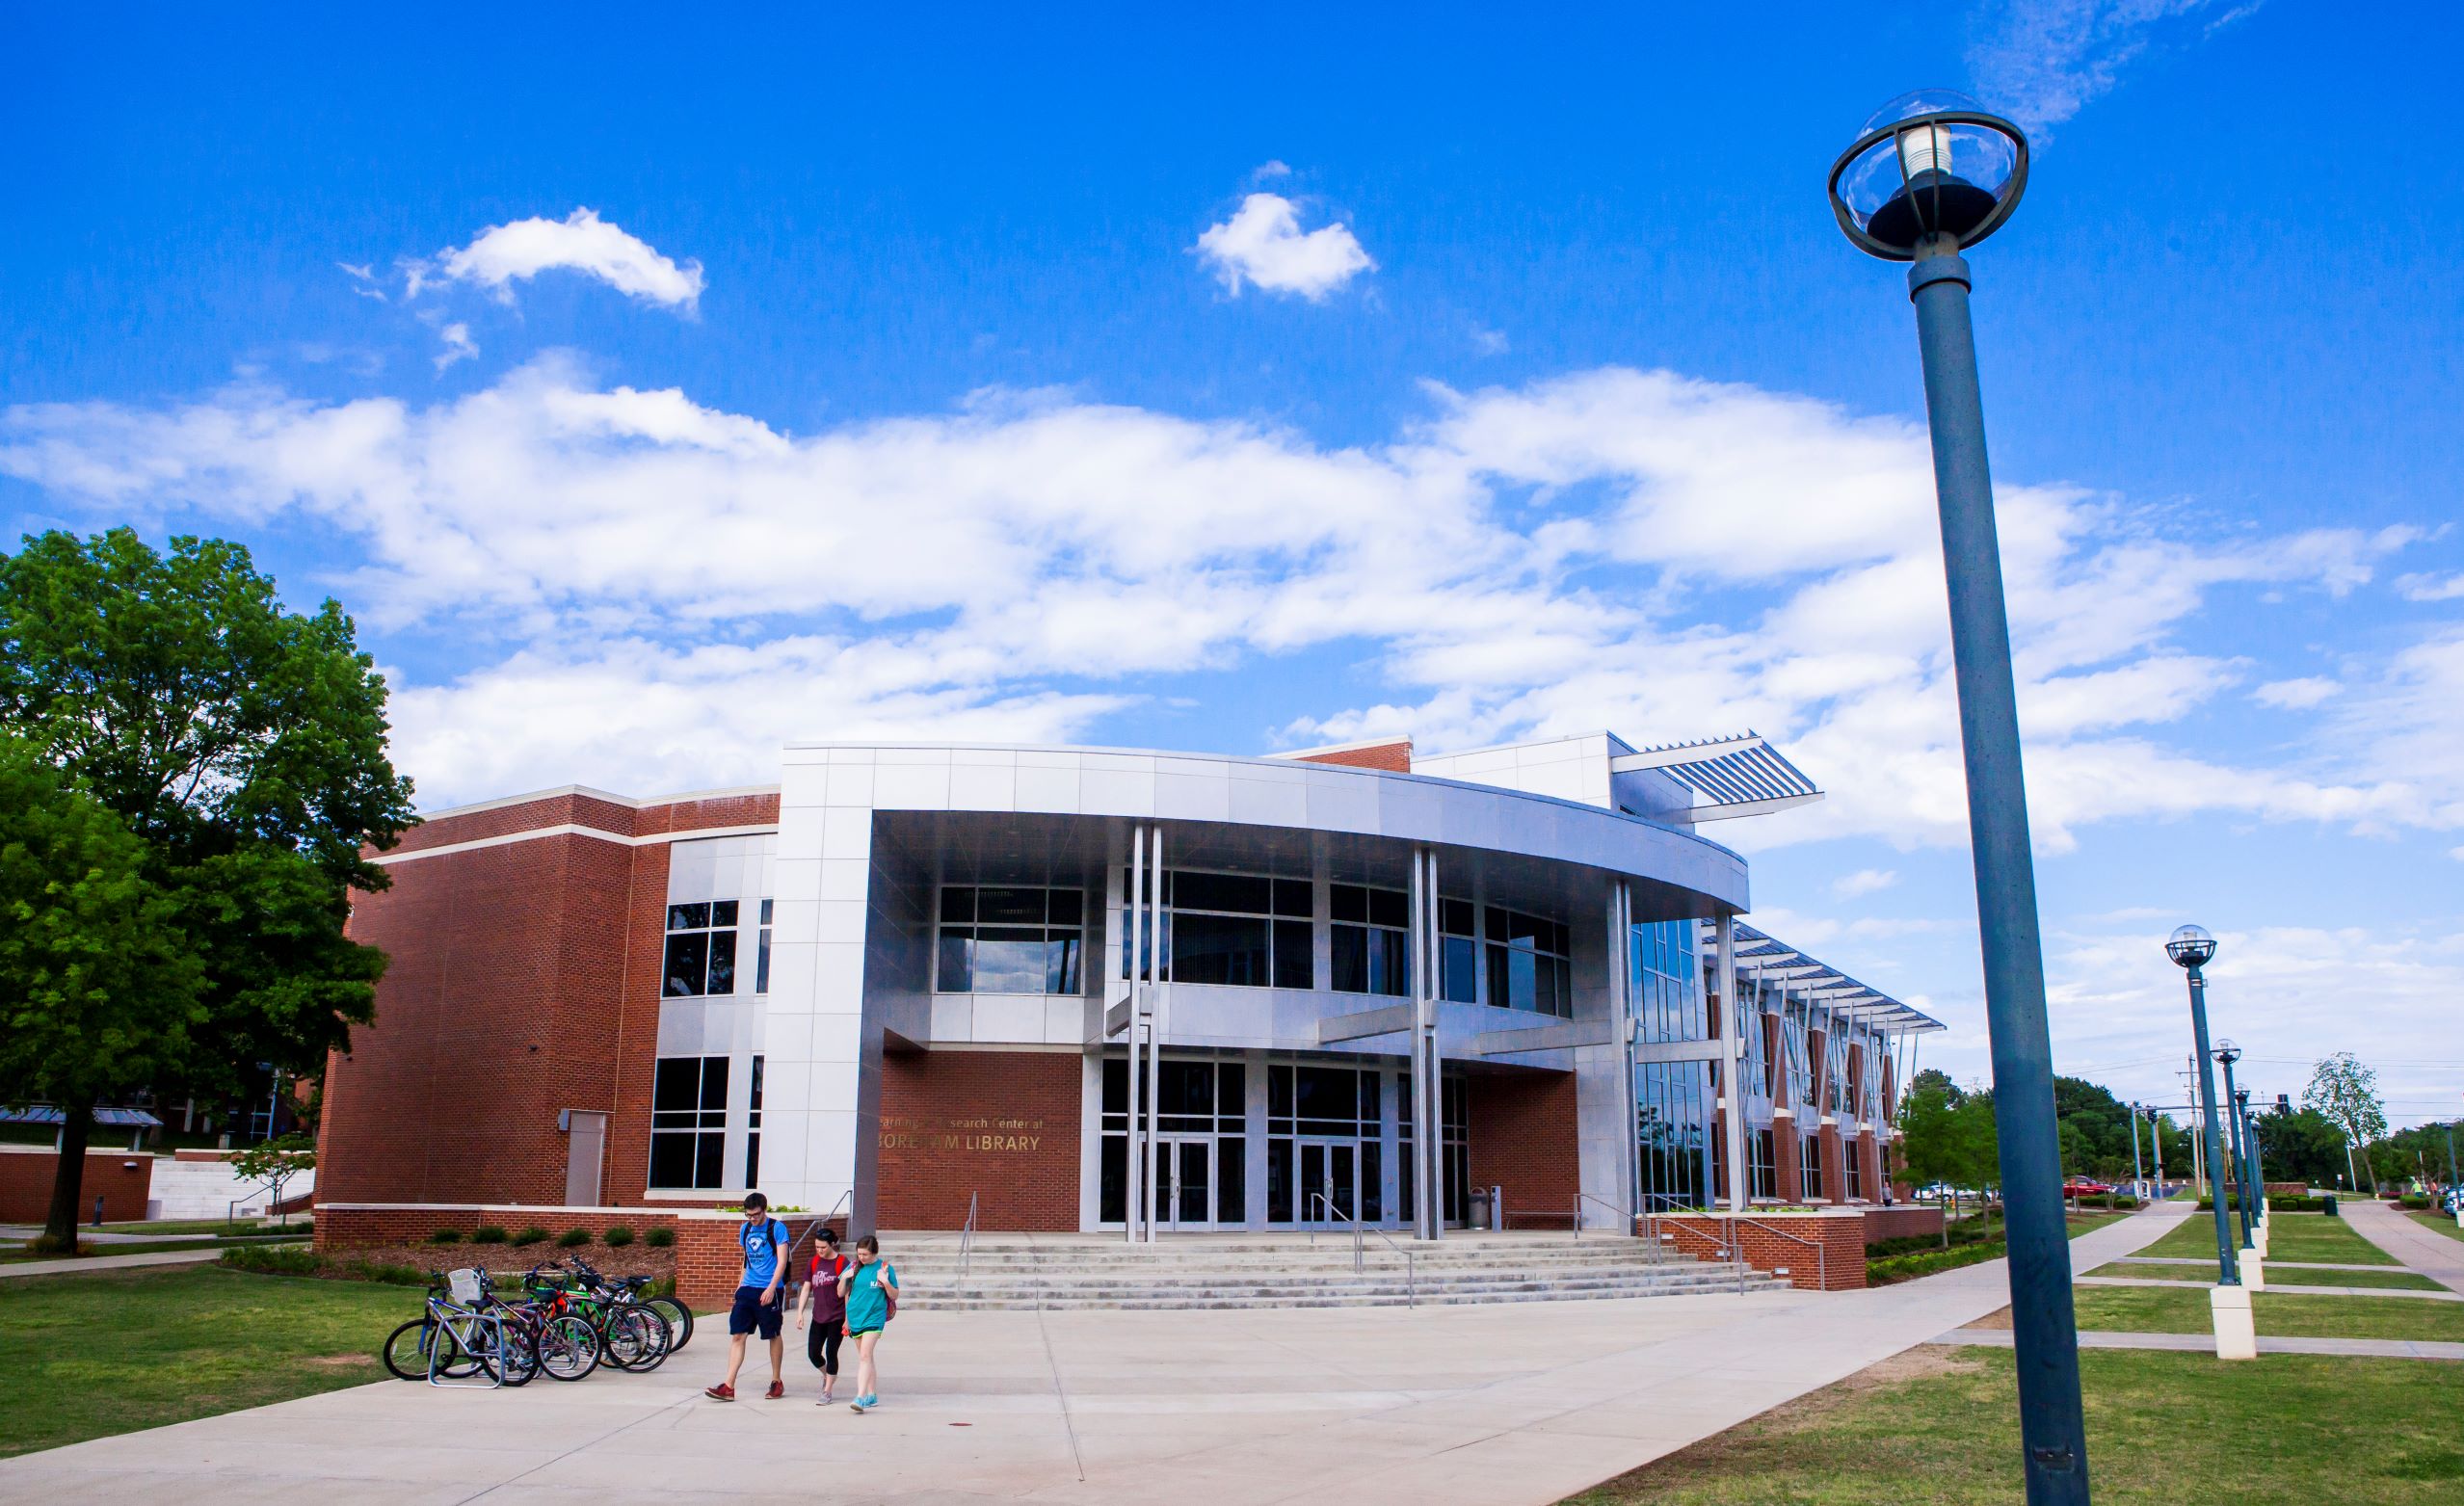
(719, 1392)
(778, 1388)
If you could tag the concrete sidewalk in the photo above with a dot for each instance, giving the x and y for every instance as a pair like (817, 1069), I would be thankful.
(2204, 1344)
(2430, 1254)
(119, 1262)
(1484, 1406)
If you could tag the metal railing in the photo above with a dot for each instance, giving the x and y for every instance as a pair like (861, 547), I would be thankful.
(816, 1227)
(967, 1238)
(1360, 1232)
(1581, 1197)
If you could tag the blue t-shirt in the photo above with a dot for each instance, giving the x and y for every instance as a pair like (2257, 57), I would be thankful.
(761, 1243)
(867, 1304)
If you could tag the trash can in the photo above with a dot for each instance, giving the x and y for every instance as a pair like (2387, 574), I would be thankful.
(1480, 1208)
(2327, 1205)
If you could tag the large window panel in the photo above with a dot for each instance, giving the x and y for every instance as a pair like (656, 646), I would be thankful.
(1010, 939)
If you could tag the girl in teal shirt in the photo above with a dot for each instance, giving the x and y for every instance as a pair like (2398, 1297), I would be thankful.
(871, 1289)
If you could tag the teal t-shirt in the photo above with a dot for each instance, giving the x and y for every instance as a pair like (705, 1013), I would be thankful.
(867, 1304)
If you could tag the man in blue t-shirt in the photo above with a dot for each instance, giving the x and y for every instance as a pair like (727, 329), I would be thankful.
(757, 1303)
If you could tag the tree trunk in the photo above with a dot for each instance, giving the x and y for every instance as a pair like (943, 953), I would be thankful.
(69, 1182)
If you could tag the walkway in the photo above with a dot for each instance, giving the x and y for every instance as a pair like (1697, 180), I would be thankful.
(86, 1265)
(2205, 1344)
(1526, 1402)
(2427, 1250)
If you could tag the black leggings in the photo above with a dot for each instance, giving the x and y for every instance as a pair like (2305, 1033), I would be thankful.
(821, 1343)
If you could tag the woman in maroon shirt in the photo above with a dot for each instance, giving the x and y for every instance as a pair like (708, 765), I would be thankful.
(823, 1313)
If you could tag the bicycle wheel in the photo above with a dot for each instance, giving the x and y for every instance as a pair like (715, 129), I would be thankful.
(508, 1352)
(638, 1338)
(406, 1352)
(569, 1349)
(680, 1320)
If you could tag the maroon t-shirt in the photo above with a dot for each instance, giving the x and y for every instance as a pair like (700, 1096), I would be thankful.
(826, 1303)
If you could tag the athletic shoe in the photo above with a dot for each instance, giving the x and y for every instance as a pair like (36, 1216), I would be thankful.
(863, 1404)
(719, 1392)
(827, 1400)
(778, 1388)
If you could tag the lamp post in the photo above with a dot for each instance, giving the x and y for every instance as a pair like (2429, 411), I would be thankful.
(2155, 1145)
(2229, 1053)
(2192, 949)
(2138, 1182)
(1930, 175)
(2251, 1153)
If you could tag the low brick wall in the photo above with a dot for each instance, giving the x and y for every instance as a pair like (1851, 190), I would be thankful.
(1902, 1222)
(1820, 1250)
(708, 1258)
(368, 1225)
(123, 1180)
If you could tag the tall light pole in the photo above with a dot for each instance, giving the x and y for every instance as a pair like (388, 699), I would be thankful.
(2156, 1144)
(2227, 1302)
(2229, 1053)
(1930, 175)
(2138, 1182)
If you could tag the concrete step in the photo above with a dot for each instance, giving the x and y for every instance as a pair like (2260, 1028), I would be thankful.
(1388, 1297)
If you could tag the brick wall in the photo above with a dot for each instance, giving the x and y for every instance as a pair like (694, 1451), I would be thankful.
(1523, 1139)
(1835, 1165)
(27, 1172)
(1780, 1241)
(371, 1226)
(1906, 1220)
(1869, 1153)
(1001, 1125)
(1394, 757)
(1788, 1172)
(524, 980)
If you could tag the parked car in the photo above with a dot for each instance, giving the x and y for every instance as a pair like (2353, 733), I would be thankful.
(2082, 1187)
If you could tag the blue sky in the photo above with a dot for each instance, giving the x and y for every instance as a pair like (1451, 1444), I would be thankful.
(654, 395)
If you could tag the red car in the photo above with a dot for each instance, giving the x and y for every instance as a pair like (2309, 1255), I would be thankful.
(2085, 1189)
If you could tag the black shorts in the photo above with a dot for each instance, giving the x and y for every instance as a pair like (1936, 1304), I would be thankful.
(750, 1313)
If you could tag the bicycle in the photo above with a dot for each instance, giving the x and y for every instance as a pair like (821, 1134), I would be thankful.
(631, 1289)
(629, 1336)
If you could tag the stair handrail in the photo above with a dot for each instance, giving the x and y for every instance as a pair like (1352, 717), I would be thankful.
(1581, 1198)
(967, 1238)
(1821, 1276)
(816, 1227)
(1410, 1277)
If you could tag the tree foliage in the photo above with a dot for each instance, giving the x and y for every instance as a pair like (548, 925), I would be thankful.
(2347, 1094)
(244, 746)
(277, 1163)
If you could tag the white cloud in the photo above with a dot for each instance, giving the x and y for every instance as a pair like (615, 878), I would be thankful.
(1263, 243)
(365, 279)
(1272, 167)
(504, 254)
(2296, 695)
(1487, 341)
(1863, 882)
(458, 345)
(1543, 559)
(2431, 588)
(2047, 60)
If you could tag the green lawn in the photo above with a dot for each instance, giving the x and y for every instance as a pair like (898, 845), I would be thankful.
(14, 1253)
(2277, 1276)
(88, 1356)
(2183, 1310)
(2291, 1236)
(1938, 1426)
(2443, 1222)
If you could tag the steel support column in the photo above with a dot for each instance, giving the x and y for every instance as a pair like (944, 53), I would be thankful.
(1740, 1173)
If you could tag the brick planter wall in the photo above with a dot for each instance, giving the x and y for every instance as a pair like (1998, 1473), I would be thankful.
(368, 1225)
(1840, 1237)
(708, 1258)
(27, 1172)
(1907, 1220)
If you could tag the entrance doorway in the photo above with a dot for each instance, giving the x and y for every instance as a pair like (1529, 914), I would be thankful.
(1329, 1181)
(1184, 1182)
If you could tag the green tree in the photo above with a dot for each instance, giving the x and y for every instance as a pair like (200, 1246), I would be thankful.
(245, 745)
(99, 991)
(2347, 1093)
(276, 1163)
(2299, 1145)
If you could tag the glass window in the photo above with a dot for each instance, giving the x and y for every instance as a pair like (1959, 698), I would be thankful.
(1372, 941)
(752, 1135)
(1010, 939)
(701, 950)
(1459, 951)
(762, 968)
(1810, 1165)
(1231, 930)
(689, 1121)
(1530, 966)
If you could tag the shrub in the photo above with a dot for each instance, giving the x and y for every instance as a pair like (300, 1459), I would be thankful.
(573, 1238)
(2414, 1202)
(271, 1262)
(488, 1234)
(618, 1236)
(531, 1235)
(659, 1238)
(445, 1236)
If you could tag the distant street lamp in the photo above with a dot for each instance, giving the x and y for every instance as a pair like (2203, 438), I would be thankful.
(2250, 1152)
(2229, 1053)
(2155, 1146)
(1930, 175)
(2192, 949)
(2139, 1177)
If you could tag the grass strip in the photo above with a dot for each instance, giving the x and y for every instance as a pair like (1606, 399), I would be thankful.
(2183, 1310)
(87, 1356)
(1938, 1425)
(2291, 1236)
(2443, 1222)
(2277, 1276)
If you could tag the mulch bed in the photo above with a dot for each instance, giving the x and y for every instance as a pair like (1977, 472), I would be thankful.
(634, 1259)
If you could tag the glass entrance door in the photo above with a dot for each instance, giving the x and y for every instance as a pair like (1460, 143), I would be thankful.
(1184, 1182)
(1329, 1181)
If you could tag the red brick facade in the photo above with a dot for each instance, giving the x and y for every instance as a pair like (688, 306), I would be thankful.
(1522, 1139)
(121, 1179)
(524, 980)
(1394, 757)
(1000, 1125)
(1821, 1252)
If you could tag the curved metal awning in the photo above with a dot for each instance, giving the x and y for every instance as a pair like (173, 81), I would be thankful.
(1738, 775)
(1764, 959)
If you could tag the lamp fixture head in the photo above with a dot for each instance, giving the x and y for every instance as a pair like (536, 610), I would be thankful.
(1929, 167)
(2191, 947)
(2227, 1052)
